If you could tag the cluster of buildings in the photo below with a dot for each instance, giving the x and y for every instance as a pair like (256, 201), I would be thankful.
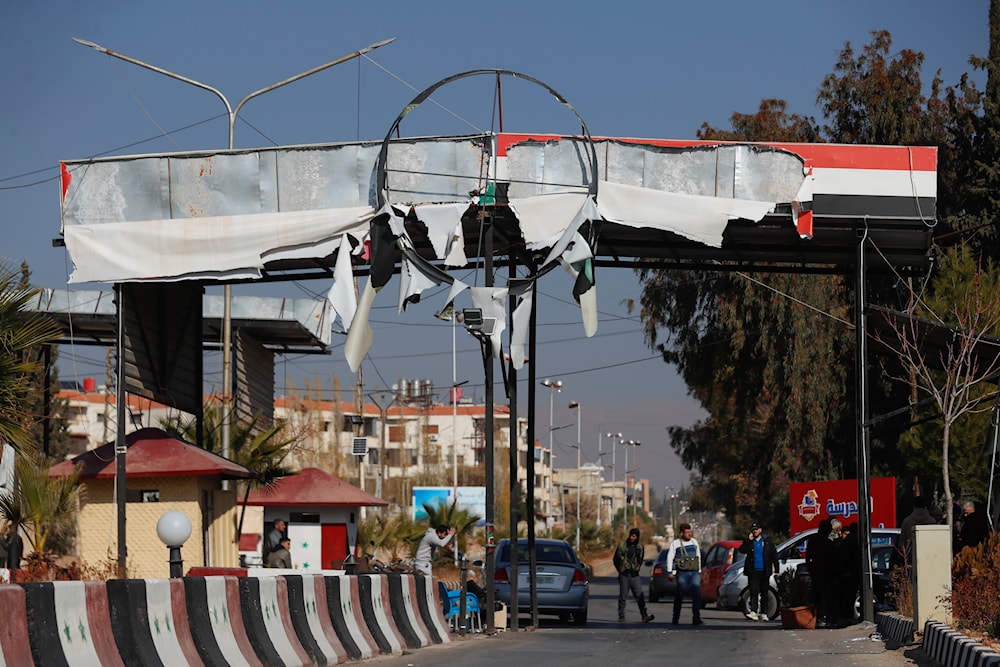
(391, 442)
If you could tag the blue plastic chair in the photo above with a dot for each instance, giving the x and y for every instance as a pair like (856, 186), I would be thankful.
(451, 601)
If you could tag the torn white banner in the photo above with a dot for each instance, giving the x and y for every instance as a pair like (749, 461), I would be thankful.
(343, 296)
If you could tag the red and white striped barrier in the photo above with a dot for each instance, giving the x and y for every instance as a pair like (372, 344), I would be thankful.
(264, 602)
(69, 622)
(216, 621)
(376, 611)
(15, 649)
(343, 596)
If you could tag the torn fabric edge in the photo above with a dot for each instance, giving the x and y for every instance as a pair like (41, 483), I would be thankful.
(546, 218)
(412, 282)
(342, 296)
(444, 230)
(521, 322)
(699, 218)
(359, 336)
(577, 260)
(417, 274)
(493, 302)
(457, 287)
(211, 248)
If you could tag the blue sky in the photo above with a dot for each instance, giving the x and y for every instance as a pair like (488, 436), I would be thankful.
(636, 69)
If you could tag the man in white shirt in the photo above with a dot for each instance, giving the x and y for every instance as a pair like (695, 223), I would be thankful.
(684, 564)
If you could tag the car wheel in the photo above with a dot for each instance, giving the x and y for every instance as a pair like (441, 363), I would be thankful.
(653, 597)
(580, 618)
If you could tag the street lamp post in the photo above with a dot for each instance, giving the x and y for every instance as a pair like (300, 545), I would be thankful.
(670, 499)
(614, 472)
(554, 386)
(627, 444)
(574, 405)
(227, 322)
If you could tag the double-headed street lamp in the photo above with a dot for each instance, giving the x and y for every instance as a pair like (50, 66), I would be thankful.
(554, 386)
(575, 405)
(630, 443)
(614, 474)
(227, 296)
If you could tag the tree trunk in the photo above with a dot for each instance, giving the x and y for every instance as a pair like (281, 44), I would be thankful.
(945, 441)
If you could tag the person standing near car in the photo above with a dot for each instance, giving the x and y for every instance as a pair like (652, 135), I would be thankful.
(760, 563)
(628, 558)
(684, 563)
(432, 539)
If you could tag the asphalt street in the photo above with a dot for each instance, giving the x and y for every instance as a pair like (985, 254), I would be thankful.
(726, 638)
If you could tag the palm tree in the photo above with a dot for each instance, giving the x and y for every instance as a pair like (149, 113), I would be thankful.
(252, 444)
(450, 514)
(44, 506)
(20, 331)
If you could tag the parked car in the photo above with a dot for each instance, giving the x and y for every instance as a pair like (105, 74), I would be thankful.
(659, 585)
(734, 591)
(717, 560)
(560, 579)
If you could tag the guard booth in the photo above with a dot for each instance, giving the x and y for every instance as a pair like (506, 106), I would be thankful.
(322, 513)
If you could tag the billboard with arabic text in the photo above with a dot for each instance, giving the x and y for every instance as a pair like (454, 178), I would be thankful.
(811, 502)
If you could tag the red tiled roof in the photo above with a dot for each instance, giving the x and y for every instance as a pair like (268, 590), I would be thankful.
(152, 452)
(312, 486)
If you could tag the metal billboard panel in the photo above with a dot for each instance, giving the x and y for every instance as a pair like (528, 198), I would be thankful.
(254, 379)
(162, 355)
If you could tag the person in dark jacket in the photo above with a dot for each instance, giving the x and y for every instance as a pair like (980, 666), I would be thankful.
(281, 557)
(13, 545)
(821, 557)
(849, 573)
(975, 525)
(761, 562)
(628, 558)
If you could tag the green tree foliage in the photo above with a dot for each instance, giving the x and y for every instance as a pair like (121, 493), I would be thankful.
(874, 97)
(47, 413)
(772, 120)
(764, 357)
(962, 295)
(770, 357)
(44, 506)
(21, 331)
(260, 447)
(392, 534)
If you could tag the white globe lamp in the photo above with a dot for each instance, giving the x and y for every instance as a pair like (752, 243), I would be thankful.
(173, 529)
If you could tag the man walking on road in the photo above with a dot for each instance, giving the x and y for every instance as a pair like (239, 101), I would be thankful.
(628, 559)
(684, 564)
(762, 559)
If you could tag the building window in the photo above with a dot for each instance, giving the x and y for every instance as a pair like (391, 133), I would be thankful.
(142, 496)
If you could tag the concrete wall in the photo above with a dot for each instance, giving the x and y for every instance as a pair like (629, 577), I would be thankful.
(289, 620)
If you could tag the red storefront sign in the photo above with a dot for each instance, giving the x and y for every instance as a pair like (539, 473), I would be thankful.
(811, 502)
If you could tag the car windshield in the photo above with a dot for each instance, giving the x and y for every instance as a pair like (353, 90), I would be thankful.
(544, 552)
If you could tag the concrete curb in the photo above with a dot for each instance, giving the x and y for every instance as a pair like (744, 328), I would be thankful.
(895, 627)
(951, 648)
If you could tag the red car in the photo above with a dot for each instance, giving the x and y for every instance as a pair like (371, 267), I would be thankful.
(717, 560)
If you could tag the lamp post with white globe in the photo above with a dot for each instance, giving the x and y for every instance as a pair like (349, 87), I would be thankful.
(173, 529)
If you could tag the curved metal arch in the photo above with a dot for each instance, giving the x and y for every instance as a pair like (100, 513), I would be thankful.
(380, 164)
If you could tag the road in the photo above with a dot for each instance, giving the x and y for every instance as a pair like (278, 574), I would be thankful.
(726, 638)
